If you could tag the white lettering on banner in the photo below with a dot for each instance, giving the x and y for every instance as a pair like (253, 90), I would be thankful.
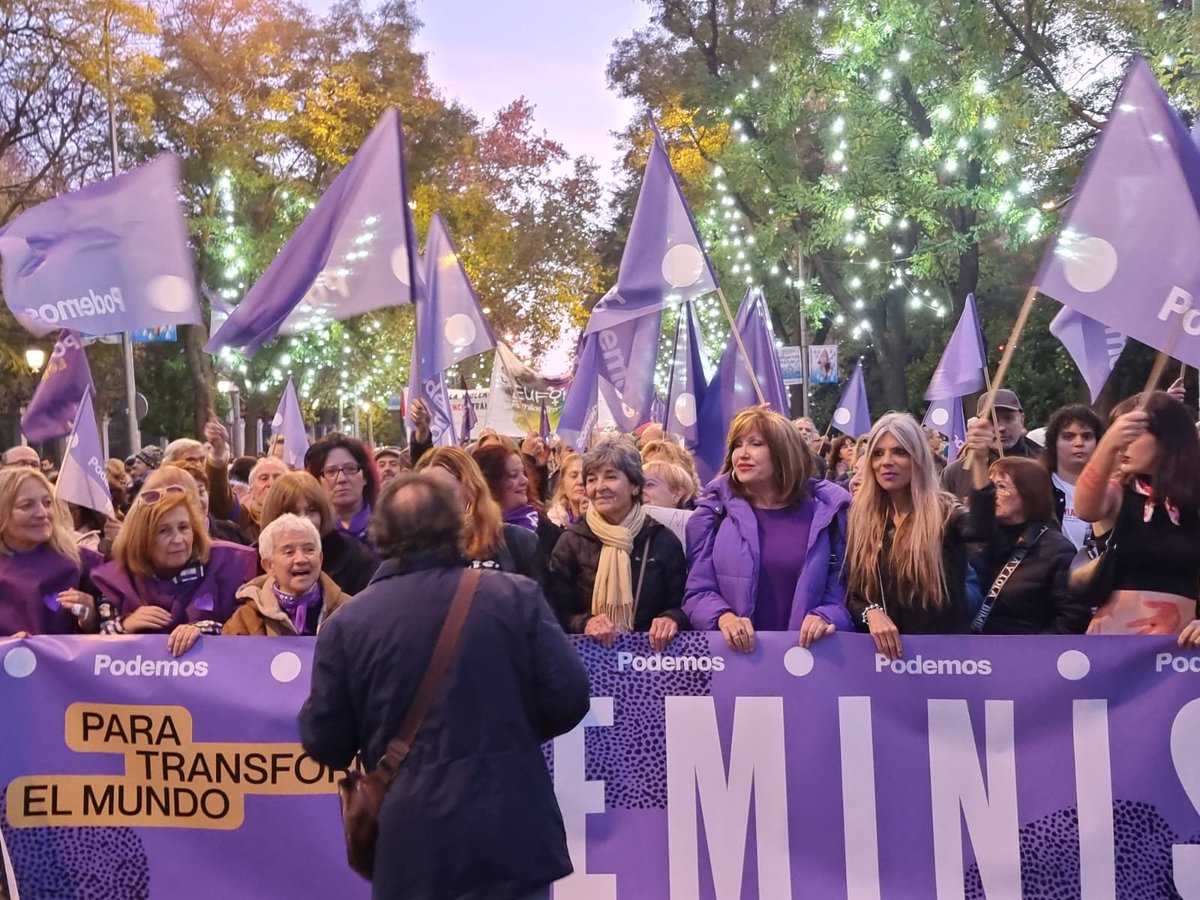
(1093, 790)
(1179, 302)
(1185, 736)
(658, 663)
(696, 774)
(148, 668)
(919, 665)
(1176, 663)
(611, 347)
(577, 798)
(859, 823)
(90, 304)
(989, 811)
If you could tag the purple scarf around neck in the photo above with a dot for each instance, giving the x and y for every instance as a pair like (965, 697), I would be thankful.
(297, 607)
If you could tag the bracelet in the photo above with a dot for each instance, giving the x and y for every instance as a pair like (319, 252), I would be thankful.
(872, 608)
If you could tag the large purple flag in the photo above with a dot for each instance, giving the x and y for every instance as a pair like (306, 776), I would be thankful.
(289, 422)
(579, 411)
(946, 416)
(108, 258)
(686, 386)
(432, 391)
(628, 354)
(1093, 345)
(81, 478)
(356, 251)
(664, 260)
(1126, 252)
(66, 377)
(732, 389)
(469, 419)
(852, 415)
(960, 370)
(451, 326)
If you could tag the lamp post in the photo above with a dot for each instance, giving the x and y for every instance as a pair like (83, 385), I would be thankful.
(230, 390)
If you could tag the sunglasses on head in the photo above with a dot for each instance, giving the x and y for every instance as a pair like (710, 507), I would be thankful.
(153, 495)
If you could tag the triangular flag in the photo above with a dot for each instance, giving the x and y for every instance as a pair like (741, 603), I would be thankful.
(960, 370)
(289, 422)
(67, 376)
(81, 477)
(852, 415)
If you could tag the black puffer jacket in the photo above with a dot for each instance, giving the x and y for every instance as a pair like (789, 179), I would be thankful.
(573, 574)
(1035, 599)
(349, 562)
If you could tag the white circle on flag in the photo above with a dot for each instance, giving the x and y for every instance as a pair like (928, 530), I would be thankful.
(682, 265)
(399, 261)
(842, 416)
(1074, 665)
(285, 666)
(798, 661)
(170, 293)
(939, 416)
(460, 331)
(685, 410)
(1091, 265)
(19, 662)
(277, 421)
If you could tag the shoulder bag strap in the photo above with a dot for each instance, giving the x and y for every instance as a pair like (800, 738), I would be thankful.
(989, 601)
(443, 652)
(637, 595)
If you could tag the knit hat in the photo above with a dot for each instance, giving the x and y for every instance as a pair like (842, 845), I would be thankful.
(152, 456)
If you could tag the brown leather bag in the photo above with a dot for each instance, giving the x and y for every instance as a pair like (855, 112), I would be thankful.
(362, 795)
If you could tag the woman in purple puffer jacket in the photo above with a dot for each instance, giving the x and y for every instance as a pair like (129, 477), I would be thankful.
(766, 543)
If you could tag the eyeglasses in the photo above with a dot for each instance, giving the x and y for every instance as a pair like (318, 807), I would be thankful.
(330, 473)
(152, 496)
(1003, 487)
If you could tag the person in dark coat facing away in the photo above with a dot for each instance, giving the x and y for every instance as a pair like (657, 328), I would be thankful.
(472, 813)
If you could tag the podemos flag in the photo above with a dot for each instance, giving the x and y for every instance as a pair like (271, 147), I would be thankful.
(81, 478)
(289, 422)
(852, 415)
(960, 370)
(67, 376)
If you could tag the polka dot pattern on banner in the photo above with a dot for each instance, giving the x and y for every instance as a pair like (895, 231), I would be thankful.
(1074, 665)
(170, 293)
(19, 662)
(285, 667)
(1090, 265)
(682, 265)
(798, 661)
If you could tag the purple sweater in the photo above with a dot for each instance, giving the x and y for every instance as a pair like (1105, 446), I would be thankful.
(29, 587)
(723, 558)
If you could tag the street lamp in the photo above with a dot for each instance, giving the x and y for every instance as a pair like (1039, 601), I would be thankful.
(230, 389)
(35, 358)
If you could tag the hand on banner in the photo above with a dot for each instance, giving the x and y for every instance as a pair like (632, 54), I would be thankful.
(182, 639)
(813, 628)
(738, 632)
(1189, 638)
(885, 633)
(19, 635)
(81, 605)
(1176, 389)
(216, 435)
(602, 629)
(146, 618)
(662, 630)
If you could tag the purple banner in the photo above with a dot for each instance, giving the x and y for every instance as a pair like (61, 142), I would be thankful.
(1003, 767)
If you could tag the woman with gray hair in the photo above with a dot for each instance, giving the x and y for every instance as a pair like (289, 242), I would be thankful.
(617, 569)
(295, 597)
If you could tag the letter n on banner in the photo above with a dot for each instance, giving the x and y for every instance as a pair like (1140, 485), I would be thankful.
(696, 774)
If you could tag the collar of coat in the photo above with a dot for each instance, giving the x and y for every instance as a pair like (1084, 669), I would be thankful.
(260, 594)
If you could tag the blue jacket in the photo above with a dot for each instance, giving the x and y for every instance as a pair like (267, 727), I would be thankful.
(723, 555)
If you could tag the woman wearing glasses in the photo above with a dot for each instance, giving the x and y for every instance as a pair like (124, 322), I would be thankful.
(166, 575)
(347, 475)
(44, 577)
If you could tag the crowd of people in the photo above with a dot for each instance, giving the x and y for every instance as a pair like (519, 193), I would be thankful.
(1083, 526)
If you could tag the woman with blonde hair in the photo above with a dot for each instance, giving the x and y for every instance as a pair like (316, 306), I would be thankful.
(669, 451)
(906, 557)
(569, 502)
(45, 585)
(668, 484)
(767, 539)
(167, 575)
(488, 541)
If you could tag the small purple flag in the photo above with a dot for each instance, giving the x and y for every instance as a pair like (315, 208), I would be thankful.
(544, 422)
(289, 422)
(67, 376)
(451, 326)
(469, 419)
(355, 252)
(658, 410)
(108, 258)
(1125, 254)
(732, 389)
(81, 478)
(852, 415)
(960, 370)
(1093, 345)
(432, 391)
(946, 415)
(626, 358)
(686, 386)
(580, 406)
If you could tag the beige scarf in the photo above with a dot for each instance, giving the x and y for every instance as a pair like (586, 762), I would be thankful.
(612, 594)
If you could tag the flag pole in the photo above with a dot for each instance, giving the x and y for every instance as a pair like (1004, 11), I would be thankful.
(987, 383)
(1009, 348)
(1160, 363)
(737, 336)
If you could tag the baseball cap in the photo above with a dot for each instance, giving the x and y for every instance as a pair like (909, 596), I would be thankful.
(1005, 399)
(388, 450)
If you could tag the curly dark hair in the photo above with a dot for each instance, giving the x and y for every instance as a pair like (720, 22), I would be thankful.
(1060, 419)
(314, 461)
(417, 514)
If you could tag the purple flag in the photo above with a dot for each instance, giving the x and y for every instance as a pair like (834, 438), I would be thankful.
(626, 359)
(81, 478)
(432, 391)
(544, 422)
(1093, 345)
(451, 326)
(658, 410)
(732, 389)
(852, 415)
(289, 422)
(66, 377)
(356, 251)
(960, 370)
(664, 260)
(686, 386)
(108, 258)
(469, 419)
(946, 415)
(1125, 254)
(580, 409)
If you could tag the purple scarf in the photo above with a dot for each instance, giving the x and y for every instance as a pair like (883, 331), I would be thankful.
(357, 527)
(297, 607)
(524, 516)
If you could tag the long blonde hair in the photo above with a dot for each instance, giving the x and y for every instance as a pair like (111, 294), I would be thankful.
(915, 561)
(483, 523)
(62, 538)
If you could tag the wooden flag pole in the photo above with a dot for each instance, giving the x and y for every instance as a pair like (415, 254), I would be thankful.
(737, 336)
(1160, 363)
(987, 382)
(1006, 360)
